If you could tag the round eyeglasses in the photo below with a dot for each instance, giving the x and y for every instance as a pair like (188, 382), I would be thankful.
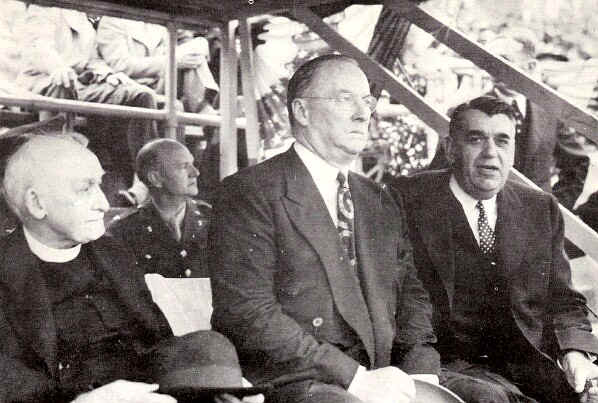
(346, 100)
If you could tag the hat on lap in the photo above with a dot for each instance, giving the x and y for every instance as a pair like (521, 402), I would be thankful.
(198, 360)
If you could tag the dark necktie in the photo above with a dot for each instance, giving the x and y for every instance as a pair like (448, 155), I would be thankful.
(486, 233)
(344, 213)
(518, 118)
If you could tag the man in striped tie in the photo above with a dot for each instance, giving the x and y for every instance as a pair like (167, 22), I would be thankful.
(490, 252)
(313, 270)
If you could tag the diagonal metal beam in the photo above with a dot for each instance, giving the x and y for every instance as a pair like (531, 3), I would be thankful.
(382, 76)
(575, 230)
(542, 95)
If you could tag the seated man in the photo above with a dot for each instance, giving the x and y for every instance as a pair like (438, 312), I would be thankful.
(76, 319)
(313, 271)
(139, 49)
(60, 60)
(169, 235)
(490, 252)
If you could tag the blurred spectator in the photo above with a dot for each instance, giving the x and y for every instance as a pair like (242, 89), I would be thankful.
(60, 60)
(139, 49)
(10, 58)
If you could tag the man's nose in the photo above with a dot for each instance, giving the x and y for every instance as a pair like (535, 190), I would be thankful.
(363, 111)
(100, 201)
(193, 171)
(489, 148)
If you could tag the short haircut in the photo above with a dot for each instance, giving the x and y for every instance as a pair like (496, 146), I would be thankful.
(305, 75)
(489, 105)
(19, 164)
(150, 157)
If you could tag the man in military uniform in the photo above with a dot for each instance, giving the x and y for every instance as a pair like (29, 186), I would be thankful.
(169, 234)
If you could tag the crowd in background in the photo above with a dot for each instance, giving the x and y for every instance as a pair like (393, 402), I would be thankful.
(132, 54)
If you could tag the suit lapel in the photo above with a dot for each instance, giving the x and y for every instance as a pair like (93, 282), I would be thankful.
(433, 221)
(376, 252)
(309, 214)
(33, 317)
(512, 228)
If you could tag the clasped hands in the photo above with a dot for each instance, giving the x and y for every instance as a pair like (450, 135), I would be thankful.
(385, 385)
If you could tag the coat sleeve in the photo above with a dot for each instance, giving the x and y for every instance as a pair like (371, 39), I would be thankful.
(568, 307)
(245, 305)
(413, 350)
(114, 49)
(20, 382)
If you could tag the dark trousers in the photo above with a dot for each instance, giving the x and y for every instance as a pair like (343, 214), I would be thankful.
(532, 382)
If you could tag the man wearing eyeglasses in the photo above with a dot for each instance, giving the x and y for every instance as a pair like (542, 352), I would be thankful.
(313, 272)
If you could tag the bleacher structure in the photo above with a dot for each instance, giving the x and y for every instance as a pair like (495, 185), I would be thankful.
(230, 14)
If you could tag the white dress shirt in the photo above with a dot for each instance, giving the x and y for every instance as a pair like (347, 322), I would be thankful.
(468, 204)
(324, 175)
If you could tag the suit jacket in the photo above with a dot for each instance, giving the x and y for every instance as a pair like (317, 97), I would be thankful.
(54, 38)
(535, 149)
(280, 280)
(28, 352)
(156, 250)
(547, 311)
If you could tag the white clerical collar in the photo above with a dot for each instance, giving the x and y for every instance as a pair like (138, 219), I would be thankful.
(49, 254)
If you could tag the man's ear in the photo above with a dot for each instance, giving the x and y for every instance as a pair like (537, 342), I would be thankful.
(34, 205)
(155, 179)
(300, 112)
(449, 150)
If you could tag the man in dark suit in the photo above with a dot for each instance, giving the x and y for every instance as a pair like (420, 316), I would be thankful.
(490, 252)
(314, 273)
(169, 234)
(76, 318)
(541, 142)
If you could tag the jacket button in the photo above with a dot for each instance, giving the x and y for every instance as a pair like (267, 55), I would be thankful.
(493, 263)
(183, 253)
(148, 256)
(496, 288)
(317, 322)
(188, 273)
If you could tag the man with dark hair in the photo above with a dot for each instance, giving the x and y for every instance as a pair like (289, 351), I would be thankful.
(490, 252)
(312, 268)
(169, 234)
(77, 322)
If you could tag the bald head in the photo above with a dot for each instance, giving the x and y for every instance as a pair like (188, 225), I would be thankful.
(167, 167)
(52, 184)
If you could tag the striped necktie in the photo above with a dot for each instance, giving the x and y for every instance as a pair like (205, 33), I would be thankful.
(345, 215)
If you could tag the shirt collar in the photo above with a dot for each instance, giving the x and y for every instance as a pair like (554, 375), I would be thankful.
(468, 202)
(320, 169)
(49, 254)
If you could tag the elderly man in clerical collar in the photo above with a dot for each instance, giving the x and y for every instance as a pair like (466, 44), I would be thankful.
(169, 235)
(77, 321)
